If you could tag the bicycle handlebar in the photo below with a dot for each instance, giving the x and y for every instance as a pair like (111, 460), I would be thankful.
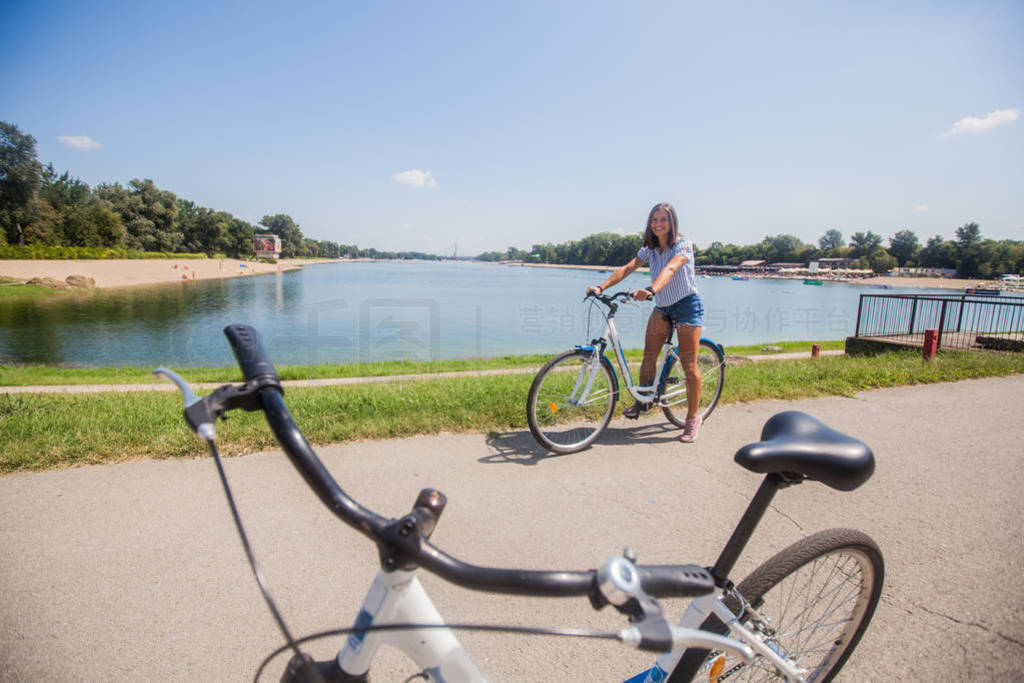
(398, 545)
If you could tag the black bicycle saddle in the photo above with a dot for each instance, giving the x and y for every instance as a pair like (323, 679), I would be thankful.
(796, 443)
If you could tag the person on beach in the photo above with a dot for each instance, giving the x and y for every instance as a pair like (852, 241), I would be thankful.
(676, 303)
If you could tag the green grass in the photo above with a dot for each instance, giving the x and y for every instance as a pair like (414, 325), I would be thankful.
(41, 375)
(45, 431)
(11, 288)
(787, 347)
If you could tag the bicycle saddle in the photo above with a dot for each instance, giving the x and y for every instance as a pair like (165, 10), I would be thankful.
(796, 443)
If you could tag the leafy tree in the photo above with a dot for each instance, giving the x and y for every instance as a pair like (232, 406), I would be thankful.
(20, 174)
(203, 230)
(239, 238)
(148, 214)
(43, 224)
(63, 192)
(288, 230)
(783, 248)
(937, 253)
(881, 261)
(93, 225)
(903, 246)
(830, 241)
(968, 241)
(864, 244)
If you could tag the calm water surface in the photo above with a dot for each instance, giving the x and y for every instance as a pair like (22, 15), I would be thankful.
(349, 312)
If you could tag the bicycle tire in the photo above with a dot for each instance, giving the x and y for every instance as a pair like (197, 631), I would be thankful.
(559, 424)
(846, 555)
(711, 363)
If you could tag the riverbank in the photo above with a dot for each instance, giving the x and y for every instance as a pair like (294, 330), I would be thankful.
(130, 272)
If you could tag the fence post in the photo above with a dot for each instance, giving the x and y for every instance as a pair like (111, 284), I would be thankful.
(860, 307)
(913, 314)
(942, 323)
(931, 345)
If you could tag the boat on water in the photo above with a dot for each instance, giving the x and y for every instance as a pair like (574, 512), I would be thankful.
(981, 291)
(881, 286)
(813, 281)
(740, 277)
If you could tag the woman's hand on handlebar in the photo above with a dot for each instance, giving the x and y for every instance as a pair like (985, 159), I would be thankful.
(594, 289)
(643, 294)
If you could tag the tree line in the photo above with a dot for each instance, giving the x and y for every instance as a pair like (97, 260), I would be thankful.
(38, 206)
(968, 254)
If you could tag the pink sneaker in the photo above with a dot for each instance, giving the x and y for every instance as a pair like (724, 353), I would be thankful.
(690, 430)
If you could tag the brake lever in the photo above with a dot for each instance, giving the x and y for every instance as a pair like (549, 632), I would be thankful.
(197, 413)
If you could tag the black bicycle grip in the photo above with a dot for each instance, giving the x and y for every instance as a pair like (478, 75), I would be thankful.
(248, 350)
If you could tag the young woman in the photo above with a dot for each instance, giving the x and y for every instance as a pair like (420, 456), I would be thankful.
(676, 303)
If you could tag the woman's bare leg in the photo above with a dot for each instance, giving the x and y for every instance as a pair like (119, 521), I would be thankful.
(689, 342)
(658, 330)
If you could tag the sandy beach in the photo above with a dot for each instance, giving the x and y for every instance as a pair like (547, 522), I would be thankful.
(129, 272)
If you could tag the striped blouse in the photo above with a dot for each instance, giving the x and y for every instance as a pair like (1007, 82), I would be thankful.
(683, 283)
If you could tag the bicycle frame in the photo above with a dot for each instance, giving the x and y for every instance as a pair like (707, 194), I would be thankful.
(398, 596)
(643, 393)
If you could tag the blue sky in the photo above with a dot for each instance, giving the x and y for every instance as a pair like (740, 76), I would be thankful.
(426, 126)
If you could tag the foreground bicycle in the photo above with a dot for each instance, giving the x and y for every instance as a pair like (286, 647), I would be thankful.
(798, 616)
(573, 397)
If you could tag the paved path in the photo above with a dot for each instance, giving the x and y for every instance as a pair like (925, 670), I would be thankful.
(208, 386)
(133, 572)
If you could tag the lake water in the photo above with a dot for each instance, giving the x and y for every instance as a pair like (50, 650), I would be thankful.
(365, 311)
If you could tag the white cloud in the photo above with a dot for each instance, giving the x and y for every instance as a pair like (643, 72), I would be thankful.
(973, 124)
(415, 178)
(922, 207)
(83, 143)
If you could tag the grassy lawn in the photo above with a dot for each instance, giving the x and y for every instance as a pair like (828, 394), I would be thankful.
(40, 375)
(10, 288)
(42, 431)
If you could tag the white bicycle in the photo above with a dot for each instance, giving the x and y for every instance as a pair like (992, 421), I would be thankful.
(572, 398)
(799, 616)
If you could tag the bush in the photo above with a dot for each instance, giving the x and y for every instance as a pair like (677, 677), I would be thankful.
(41, 251)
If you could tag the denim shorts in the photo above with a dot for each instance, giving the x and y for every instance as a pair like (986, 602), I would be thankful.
(687, 311)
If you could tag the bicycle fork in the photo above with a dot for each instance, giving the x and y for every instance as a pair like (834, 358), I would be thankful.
(585, 379)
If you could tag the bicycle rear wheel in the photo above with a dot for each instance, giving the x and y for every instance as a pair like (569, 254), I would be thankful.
(810, 603)
(567, 408)
(711, 364)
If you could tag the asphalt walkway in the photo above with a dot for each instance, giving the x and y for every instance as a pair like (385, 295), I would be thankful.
(133, 571)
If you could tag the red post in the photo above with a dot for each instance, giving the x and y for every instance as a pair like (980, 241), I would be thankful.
(931, 344)
(815, 350)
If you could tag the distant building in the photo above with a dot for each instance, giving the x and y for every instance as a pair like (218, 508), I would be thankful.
(753, 265)
(266, 246)
(834, 263)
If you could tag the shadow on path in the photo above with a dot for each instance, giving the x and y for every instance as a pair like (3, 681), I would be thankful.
(519, 447)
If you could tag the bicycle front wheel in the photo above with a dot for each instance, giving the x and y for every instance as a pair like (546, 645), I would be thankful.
(571, 401)
(711, 365)
(810, 603)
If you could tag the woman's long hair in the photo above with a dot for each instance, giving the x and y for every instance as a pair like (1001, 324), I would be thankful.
(650, 239)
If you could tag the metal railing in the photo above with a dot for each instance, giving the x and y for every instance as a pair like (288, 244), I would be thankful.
(963, 321)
